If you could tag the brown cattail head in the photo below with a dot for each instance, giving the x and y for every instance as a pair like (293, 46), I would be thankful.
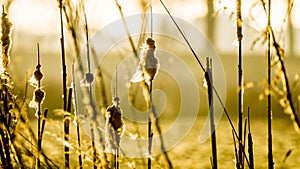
(6, 26)
(148, 64)
(114, 127)
(38, 98)
(39, 95)
(38, 75)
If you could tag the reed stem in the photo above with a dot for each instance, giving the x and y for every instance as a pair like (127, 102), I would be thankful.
(203, 69)
(240, 79)
(150, 134)
(270, 149)
(62, 46)
(39, 112)
(209, 80)
(250, 144)
(75, 116)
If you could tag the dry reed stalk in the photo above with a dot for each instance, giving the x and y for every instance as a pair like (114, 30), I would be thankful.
(89, 79)
(237, 164)
(239, 24)
(250, 144)
(146, 71)
(144, 85)
(269, 111)
(209, 81)
(38, 98)
(76, 119)
(67, 120)
(114, 129)
(136, 126)
(126, 28)
(288, 105)
(64, 81)
(203, 69)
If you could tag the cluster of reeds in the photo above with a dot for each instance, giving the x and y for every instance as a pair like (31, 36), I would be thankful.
(18, 142)
(8, 116)
(17, 136)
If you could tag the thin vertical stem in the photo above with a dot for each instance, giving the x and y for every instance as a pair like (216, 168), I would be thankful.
(150, 134)
(117, 158)
(44, 121)
(203, 69)
(75, 116)
(250, 144)
(66, 148)
(151, 20)
(67, 127)
(79, 145)
(209, 80)
(291, 33)
(270, 151)
(240, 80)
(87, 44)
(39, 113)
(63, 57)
(93, 146)
(235, 151)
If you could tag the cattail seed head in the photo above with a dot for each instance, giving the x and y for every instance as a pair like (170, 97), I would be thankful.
(148, 64)
(114, 126)
(38, 75)
(39, 95)
(38, 98)
(87, 80)
(89, 77)
(6, 26)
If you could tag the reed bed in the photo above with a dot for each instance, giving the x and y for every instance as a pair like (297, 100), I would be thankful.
(28, 143)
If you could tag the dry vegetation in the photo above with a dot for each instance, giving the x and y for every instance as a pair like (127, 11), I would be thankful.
(60, 141)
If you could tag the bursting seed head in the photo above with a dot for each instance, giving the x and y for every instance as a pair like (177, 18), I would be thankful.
(148, 64)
